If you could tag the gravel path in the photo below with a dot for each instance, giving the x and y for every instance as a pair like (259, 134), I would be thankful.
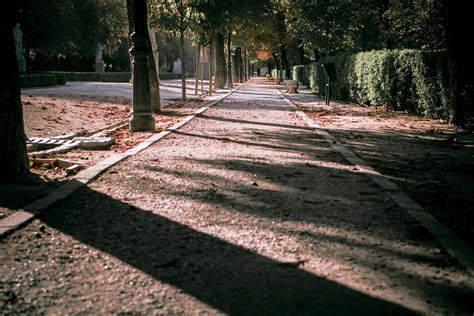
(242, 211)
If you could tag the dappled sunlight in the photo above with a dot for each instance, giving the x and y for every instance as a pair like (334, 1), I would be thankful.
(209, 267)
(331, 243)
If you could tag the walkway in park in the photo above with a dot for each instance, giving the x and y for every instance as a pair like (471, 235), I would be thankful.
(170, 90)
(244, 210)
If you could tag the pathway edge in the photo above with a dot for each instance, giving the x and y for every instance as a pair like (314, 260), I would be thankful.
(455, 246)
(26, 214)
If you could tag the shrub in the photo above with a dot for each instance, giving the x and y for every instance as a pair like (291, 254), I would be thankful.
(412, 80)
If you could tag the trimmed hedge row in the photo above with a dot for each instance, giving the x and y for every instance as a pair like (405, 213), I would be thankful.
(412, 80)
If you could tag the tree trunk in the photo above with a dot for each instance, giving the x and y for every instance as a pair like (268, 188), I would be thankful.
(276, 61)
(154, 72)
(13, 155)
(220, 62)
(201, 75)
(229, 62)
(460, 62)
(245, 66)
(316, 55)
(285, 66)
(211, 66)
(235, 67)
(183, 67)
(300, 53)
(131, 27)
(241, 65)
(197, 73)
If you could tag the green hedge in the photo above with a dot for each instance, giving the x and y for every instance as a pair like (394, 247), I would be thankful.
(411, 80)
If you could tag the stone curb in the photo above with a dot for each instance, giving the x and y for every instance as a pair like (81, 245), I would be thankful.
(455, 246)
(23, 216)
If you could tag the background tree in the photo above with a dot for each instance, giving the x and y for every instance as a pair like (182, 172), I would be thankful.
(174, 16)
(70, 30)
(457, 21)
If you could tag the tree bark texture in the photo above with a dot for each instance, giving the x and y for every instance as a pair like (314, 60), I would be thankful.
(13, 155)
(285, 66)
(246, 77)
(154, 72)
(220, 62)
(198, 69)
(183, 67)
(211, 66)
(235, 67)
(229, 62)
(240, 64)
(131, 27)
(460, 62)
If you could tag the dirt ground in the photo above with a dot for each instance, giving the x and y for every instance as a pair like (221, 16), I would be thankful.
(432, 161)
(244, 211)
(55, 115)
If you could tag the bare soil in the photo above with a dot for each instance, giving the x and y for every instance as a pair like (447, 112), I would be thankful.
(432, 161)
(55, 115)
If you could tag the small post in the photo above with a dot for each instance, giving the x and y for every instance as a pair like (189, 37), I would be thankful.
(326, 92)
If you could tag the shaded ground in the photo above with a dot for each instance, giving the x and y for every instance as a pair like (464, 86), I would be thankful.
(430, 160)
(91, 106)
(242, 211)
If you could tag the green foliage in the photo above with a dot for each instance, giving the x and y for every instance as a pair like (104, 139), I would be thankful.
(412, 80)
(415, 24)
(302, 74)
(72, 27)
(337, 27)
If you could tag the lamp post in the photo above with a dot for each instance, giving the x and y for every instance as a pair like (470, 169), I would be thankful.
(142, 118)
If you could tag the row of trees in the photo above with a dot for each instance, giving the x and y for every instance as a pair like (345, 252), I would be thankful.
(293, 31)
(66, 33)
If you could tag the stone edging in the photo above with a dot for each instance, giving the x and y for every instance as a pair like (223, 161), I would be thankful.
(21, 217)
(455, 246)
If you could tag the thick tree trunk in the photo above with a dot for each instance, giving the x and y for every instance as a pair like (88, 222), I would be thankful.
(460, 61)
(229, 62)
(220, 62)
(285, 66)
(13, 155)
(154, 72)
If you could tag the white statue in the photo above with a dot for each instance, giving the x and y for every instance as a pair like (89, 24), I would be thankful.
(18, 35)
(99, 63)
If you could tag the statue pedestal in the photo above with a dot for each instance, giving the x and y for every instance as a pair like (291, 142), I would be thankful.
(21, 62)
(99, 66)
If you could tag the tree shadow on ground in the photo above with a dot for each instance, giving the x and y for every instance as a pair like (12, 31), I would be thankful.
(226, 276)
(432, 168)
(15, 194)
(320, 205)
